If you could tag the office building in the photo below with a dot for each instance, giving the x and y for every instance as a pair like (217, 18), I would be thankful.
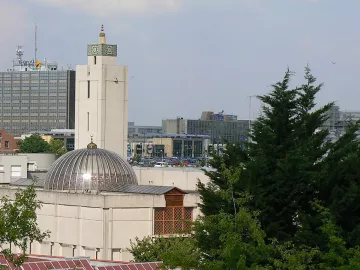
(101, 109)
(337, 120)
(169, 145)
(221, 128)
(136, 130)
(36, 95)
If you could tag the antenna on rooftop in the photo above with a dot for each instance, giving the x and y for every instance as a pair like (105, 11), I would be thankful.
(19, 53)
(35, 41)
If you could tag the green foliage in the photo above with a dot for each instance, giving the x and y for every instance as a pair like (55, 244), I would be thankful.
(18, 223)
(242, 244)
(226, 165)
(288, 165)
(137, 158)
(34, 144)
(173, 251)
(57, 147)
(284, 156)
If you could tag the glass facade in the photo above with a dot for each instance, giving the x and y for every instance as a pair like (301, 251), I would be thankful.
(188, 148)
(198, 148)
(177, 148)
(37, 100)
(159, 151)
(219, 131)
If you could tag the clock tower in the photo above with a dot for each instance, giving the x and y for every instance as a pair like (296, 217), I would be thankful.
(101, 102)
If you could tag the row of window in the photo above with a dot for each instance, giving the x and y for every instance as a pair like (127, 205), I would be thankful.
(9, 76)
(23, 87)
(15, 169)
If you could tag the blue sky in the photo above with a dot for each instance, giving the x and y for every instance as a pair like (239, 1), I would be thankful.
(186, 56)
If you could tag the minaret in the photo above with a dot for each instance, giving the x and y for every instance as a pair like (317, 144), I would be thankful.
(101, 102)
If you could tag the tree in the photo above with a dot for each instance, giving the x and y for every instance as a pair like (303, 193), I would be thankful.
(173, 251)
(57, 147)
(287, 165)
(18, 223)
(225, 166)
(34, 144)
(285, 151)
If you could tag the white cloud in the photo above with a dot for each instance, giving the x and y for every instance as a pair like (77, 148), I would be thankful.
(113, 7)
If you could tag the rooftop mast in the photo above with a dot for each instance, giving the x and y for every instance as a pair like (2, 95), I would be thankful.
(35, 42)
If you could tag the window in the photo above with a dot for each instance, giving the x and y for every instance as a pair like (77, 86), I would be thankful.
(88, 121)
(1, 168)
(88, 89)
(174, 218)
(31, 166)
(15, 170)
(7, 144)
(94, 60)
(170, 220)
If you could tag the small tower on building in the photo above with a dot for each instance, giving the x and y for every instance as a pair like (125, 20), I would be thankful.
(101, 102)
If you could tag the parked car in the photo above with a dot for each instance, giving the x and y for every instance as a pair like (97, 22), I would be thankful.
(160, 164)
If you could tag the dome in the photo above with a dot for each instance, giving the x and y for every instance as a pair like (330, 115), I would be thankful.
(89, 169)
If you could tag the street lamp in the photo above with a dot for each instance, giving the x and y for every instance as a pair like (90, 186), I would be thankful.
(162, 155)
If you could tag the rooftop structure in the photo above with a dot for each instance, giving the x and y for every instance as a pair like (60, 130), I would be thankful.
(36, 95)
(19, 64)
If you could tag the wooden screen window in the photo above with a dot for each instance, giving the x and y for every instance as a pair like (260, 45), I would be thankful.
(172, 220)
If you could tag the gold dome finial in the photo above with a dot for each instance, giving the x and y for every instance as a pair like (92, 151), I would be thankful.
(102, 39)
(92, 145)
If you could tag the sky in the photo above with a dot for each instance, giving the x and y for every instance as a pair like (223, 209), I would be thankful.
(189, 56)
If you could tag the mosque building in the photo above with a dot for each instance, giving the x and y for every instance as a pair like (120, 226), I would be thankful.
(93, 201)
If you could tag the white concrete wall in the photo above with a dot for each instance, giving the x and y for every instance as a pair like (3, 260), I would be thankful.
(107, 105)
(99, 226)
(43, 161)
(12, 160)
(183, 178)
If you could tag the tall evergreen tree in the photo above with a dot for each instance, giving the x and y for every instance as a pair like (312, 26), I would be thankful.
(212, 195)
(288, 165)
(286, 148)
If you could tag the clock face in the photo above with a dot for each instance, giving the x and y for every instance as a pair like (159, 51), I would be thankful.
(94, 49)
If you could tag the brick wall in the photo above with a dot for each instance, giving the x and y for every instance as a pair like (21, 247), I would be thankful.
(7, 142)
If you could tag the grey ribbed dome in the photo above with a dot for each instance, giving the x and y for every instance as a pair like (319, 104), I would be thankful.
(89, 169)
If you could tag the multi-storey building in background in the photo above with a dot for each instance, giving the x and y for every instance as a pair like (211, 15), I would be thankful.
(36, 95)
(135, 130)
(220, 128)
(337, 120)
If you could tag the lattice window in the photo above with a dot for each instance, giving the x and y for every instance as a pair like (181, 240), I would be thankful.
(172, 220)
